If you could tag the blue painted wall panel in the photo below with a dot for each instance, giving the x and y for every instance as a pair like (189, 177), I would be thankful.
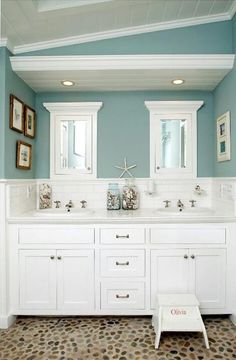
(214, 38)
(123, 130)
(16, 86)
(224, 100)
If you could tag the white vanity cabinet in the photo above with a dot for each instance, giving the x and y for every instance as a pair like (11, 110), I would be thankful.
(116, 269)
(197, 271)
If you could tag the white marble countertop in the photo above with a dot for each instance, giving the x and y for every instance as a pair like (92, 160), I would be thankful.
(144, 216)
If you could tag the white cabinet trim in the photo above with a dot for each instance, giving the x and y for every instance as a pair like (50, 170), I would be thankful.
(159, 109)
(72, 109)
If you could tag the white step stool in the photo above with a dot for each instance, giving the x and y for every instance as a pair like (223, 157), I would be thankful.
(177, 312)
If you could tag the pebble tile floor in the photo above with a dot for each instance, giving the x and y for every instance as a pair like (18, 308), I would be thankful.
(105, 338)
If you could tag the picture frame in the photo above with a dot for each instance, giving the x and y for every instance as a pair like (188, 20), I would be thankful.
(16, 121)
(29, 121)
(23, 155)
(223, 137)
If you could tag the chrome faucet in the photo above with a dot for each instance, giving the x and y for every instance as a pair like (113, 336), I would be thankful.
(83, 204)
(58, 204)
(167, 202)
(180, 205)
(69, 205)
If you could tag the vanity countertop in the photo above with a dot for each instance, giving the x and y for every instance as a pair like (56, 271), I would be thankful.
(144, 216)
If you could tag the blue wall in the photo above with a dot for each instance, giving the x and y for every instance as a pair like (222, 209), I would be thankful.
(14, 85)
(215, 38)
(123, 125)
(123, 130)
(224, 100)
(2, 111)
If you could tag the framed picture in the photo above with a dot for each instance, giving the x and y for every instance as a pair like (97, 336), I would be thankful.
(30, 122)
(23, 155)
(16, 114)
(223, 137)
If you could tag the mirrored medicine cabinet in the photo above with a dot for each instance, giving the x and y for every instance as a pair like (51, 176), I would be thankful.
(73, 139)
(173, 138)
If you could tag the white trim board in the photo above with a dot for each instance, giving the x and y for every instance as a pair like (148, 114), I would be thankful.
(111, 34)
(119, 62)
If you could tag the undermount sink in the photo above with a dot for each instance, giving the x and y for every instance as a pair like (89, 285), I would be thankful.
(63, 212)
(192, 211)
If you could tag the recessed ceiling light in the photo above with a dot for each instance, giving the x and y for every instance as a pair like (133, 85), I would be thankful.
(177, 81)
(67, 83)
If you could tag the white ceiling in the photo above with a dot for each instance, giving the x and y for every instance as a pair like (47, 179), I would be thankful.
(38, 24)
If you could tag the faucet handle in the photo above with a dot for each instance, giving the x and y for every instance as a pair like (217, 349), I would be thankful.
(193, 202)
(167, 202)
(83, 204)
(58, 203)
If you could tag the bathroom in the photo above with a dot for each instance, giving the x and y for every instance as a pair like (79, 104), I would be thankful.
(183, 223)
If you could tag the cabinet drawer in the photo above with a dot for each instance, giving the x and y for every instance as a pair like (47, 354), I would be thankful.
(122, 235)
(187, 236)
(56, 235)
(122, 295)
(122, 263)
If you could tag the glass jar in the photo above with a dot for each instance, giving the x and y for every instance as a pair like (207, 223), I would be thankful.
(113, 197)
(130, 197)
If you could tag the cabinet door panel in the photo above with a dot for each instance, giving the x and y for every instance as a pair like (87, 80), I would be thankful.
(75, 269)
(37, 279)
(209, 276)
(169, 272)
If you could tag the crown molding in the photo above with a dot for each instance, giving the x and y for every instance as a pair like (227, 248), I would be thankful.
(4, 42)
(175, 106)
(135, 30)
(119, 62)
(71, 107)
(232, 10)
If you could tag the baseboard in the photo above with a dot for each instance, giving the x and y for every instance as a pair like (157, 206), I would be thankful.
(233, 318)
(7, 321)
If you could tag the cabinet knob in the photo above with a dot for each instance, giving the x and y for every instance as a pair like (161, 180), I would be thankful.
(192, 256)
(59, 258)
(158, 167)
(185, 256)
(52, 257)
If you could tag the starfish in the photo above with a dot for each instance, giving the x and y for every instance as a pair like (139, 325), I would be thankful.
(125, 168)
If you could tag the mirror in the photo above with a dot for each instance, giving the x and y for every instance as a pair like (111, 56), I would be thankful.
(74, 143)
(73, 139)
(173, 143)
(173, 138)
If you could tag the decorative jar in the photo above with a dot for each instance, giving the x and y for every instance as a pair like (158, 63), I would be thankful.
(130, 197)
(113, 197)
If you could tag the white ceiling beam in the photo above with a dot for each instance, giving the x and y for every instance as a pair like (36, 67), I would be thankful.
(118, 62)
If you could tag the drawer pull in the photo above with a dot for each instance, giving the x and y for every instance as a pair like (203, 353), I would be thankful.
(122, 296)
(192, 256)
(52, 257)
(122, 264)
(122, 236)
(185, 256)
(59, 257)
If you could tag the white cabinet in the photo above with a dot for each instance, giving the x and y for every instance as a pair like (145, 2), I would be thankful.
(199, 271)
(75, 274)
(208, 272)
(37, 271)
(169, 272)
(57, 279)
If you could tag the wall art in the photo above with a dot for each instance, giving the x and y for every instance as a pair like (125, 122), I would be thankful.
(223, 137)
